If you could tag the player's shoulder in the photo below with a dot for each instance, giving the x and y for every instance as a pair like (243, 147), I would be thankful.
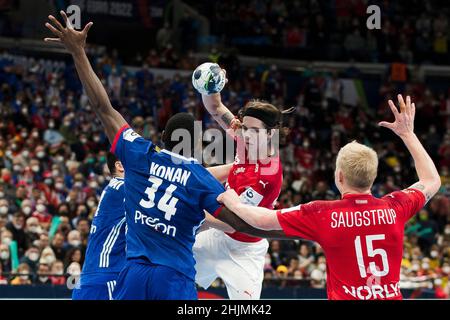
(319, 206)
(402, 195)
(115, 184)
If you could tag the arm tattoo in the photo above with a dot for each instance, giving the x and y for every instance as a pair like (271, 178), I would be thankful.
(418, 186)
(227, 118)
(421, 187)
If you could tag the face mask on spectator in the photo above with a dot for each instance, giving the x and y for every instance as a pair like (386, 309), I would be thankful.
(55, 173)
(425, 266)
(43, 279)
(25, 153)
(34, 229)
(93, 184)
(3, 210)
(4, 255)
(78, 184)
(6, 240)
(17, 226)
(33, 256)
(59, 186)
(26, 210)
(91, 203)
(59, 158)
(447, 231)
(96, 139)
(83, 140)
(40, 154)
(24, 134)
(322, 266)
(24, 275)
(446, 269)
(17, 168)
(2, 194)
(75, 243)
(434, 254)
(35, 134)
(101, 179)
(40, 207)
(35, 168)
(59, 272)
(48, 181)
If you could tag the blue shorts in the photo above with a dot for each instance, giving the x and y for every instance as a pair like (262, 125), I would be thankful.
(94, 291)
(142, 280)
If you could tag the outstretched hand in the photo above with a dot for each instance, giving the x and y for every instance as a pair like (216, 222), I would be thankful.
(404, 120)
(72, 39)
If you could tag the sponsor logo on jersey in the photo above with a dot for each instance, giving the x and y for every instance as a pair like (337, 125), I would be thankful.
(373, 292)
(264, 184)
(251, 197)
(154, 223)
(239, 170)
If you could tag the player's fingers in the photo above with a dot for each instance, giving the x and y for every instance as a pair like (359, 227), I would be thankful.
(56, 23)
(87, 27)
(413, 110)
(401, 103)
(408, 105)
(393, 108)
(52, 40)
(220, 198)
(55, 31)
(64, 16)
(385, 124)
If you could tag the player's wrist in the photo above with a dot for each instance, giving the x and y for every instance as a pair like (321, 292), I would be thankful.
(407, 135)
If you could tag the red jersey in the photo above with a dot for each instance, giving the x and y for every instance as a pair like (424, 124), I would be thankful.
(362, 238)
(258, 184)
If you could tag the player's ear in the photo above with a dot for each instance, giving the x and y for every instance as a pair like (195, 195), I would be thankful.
(119, 166)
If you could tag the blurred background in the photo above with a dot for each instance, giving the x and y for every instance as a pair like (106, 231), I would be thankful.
(317, 55)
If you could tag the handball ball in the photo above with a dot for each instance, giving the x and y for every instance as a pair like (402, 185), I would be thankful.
(208, 78)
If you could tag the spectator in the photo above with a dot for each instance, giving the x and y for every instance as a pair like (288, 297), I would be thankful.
(43, 274)
(23, 275)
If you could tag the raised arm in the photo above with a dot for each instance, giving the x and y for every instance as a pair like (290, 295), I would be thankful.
(220, 113)
(403, 126)
(75, 41)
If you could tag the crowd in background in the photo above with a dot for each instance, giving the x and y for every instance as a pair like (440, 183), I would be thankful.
(412, 31)
(53, 154)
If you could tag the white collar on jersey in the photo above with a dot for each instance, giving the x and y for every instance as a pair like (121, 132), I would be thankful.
(176, 155)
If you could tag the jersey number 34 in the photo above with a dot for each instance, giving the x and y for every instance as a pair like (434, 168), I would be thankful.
(166, 203)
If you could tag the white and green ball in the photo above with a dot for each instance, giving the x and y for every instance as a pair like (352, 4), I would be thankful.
(208, 78)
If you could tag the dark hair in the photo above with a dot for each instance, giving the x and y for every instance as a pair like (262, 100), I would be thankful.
(270, 115)
(180, 120)
(111, 160)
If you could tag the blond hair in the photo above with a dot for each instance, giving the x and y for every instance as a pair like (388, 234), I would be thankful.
(358, 164)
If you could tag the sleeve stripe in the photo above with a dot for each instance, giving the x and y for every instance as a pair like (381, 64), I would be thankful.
(216, 213)
(116, 138)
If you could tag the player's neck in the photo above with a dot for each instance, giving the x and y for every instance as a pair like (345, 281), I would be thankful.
(355, 191)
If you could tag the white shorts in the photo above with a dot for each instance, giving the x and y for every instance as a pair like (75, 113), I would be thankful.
(239, 264)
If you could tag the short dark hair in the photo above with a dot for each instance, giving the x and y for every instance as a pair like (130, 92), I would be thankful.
(111, 160)
(180, 120)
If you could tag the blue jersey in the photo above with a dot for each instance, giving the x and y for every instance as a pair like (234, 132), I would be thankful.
(105, 254)
(165, 195)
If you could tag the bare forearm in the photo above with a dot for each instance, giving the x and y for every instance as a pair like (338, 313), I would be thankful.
(212, 222)
(240, 225)
(429, 180)
(258, 217)
(218, 110)
(98, 97)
